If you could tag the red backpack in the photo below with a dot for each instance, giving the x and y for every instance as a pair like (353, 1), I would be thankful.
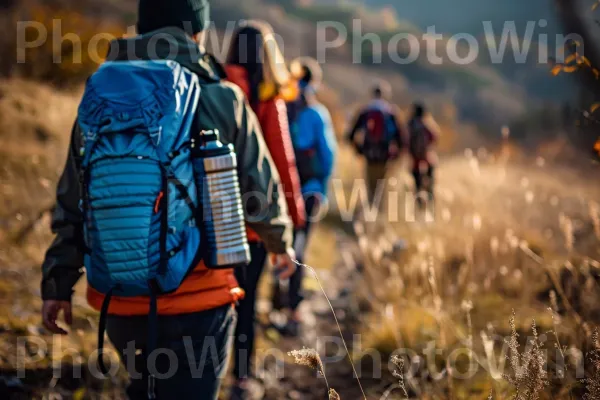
(376, 145)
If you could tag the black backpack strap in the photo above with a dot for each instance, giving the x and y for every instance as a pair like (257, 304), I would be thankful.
(102, 330)
(152, 337)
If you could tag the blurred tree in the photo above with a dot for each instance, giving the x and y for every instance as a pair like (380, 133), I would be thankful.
(573, 15)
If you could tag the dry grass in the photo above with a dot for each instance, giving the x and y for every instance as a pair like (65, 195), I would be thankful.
(68, 62)
(310, 358)
(35, 126)
(491, 249)
(529, 375)
(593, 381)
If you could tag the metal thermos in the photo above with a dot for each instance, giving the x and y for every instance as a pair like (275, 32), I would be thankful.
(222, 221)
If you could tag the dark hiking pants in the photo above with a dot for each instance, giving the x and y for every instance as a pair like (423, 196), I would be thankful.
(190, 358)
(248, 278)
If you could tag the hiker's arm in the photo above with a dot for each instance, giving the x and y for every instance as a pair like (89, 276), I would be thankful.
(435, 132)
(264, 202)
(358, 125)
(277, 137)
(433, 129)
(62, 266)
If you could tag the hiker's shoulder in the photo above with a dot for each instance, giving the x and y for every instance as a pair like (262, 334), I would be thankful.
(323, 113)
(310, 113)
(431, 124)
(223, 88)
(224, 95)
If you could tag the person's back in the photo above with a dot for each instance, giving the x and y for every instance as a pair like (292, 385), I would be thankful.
(269, 105)
(201, 306)
(423, 133)
(252, 66)
(377, 136)
(219, 108)
(315, 145)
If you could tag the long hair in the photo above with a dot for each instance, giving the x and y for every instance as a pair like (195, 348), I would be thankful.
(255, 49)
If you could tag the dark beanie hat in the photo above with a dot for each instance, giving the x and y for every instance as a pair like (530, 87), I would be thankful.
(190, 15)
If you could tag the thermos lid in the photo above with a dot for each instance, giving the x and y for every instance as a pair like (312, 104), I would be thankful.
(211, 146)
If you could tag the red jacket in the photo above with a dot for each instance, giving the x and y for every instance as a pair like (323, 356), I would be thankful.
(272, 117)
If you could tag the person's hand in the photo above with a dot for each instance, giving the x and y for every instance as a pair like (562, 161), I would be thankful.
(284, 264)
(50, 311)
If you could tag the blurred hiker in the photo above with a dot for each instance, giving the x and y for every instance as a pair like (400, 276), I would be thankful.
(377, 136)
(306, 71)
(315, 145)
(256, 65)
(127, 205)
(423, 133)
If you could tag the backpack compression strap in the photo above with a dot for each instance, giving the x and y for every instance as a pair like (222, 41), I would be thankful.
(152, 334)
(152, 338)
(102, 330)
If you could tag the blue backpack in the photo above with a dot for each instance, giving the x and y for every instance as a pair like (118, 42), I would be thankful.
(139, 199)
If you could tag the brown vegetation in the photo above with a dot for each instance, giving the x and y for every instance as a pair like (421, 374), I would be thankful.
(76, 41)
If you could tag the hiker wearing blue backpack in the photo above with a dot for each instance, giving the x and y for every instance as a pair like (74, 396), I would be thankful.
(315, 145)
(377, 135)
(150, 201)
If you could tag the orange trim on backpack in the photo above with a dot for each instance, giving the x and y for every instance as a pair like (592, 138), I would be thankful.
(157, 202)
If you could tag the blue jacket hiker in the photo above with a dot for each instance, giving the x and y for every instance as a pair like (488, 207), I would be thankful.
(315, 147)
(312, 134)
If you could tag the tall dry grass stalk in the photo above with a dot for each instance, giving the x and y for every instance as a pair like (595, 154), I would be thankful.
(558, 286)
(399, 374)
(593, 382)
(595, 216)
(467, 306)
(309, 358)
(311, 269)
(566, 225)
(529, 375)
(438, 302)
(553, 309)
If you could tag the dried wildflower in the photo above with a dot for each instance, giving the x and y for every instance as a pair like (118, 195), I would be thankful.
(513, 344)
(337, 323)
(593, 382)
(309, 358)
(529, 373)
(554, 302)
(467, 306)
(333, 395)
(399, 373)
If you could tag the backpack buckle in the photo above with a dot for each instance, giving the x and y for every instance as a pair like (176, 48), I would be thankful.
(123, 116)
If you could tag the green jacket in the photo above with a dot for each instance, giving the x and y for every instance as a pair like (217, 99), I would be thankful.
(222, 106)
